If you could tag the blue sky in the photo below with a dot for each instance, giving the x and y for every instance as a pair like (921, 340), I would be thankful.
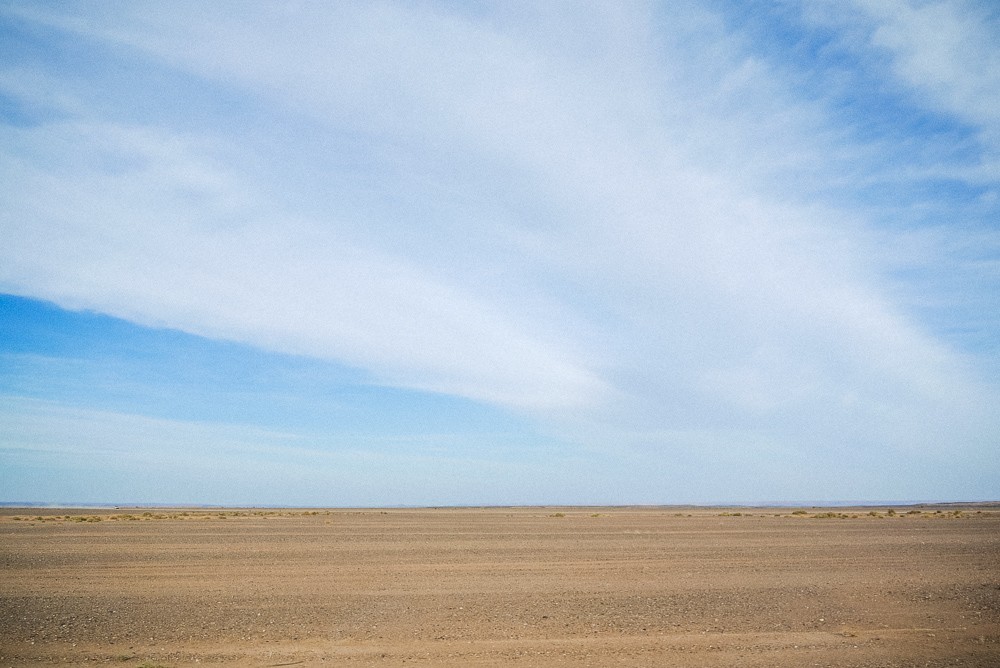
(499, 253)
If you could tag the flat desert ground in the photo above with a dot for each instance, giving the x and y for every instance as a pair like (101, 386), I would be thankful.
(501, 587)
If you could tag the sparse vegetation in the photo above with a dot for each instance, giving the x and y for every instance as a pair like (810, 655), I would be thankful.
(148, 516)
(211, 514)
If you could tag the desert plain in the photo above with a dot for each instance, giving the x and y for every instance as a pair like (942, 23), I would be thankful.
(152, 587)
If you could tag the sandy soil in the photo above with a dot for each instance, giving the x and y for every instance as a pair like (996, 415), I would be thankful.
(498, 587)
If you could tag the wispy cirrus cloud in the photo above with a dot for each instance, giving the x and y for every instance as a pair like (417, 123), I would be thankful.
(937, 62)
(947, 52)
(627, 221)
(211, 265)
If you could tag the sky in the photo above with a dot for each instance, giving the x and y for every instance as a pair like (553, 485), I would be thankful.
(448, 253)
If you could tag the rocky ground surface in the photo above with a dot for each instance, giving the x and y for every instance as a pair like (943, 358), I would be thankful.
(499, 587)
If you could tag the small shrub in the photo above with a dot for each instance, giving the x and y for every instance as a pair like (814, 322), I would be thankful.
(558, 515)
(799, 512)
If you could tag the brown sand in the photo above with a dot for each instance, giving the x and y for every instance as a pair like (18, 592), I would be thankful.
(498, 587)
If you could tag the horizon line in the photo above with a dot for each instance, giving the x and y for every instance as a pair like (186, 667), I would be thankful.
(212, 506)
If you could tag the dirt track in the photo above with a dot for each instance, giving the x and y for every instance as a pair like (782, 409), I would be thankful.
(498, 587)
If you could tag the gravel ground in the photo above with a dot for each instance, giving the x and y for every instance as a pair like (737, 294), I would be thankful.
(499, 586)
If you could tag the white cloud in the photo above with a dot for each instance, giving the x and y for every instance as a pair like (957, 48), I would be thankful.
(940, 56)
(596, 221)
(139, 225)
(947, 51)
